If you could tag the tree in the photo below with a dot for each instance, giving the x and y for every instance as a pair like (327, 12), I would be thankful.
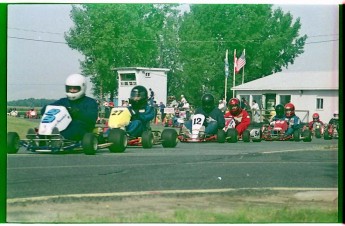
(270, 38)
(116, 35)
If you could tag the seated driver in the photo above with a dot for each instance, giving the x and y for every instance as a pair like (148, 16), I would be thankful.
(241, 116)
(335, 120)
(316, 119)
(83, 109)
(141, 112)
(214, 118)
(293, 121)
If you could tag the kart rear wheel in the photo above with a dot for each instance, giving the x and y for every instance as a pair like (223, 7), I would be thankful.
(13, 142)
(231, 135)
(307, 136)
(318, 133)
(296, 135)
(246, 136)
(147, 139)
(169, 138)
(327, 135)
(221, 136)
(118, 138)
(89, 144)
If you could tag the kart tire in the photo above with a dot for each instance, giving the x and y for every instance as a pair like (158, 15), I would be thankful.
(13, 142)
(307, 136)
(31, 134)
(118, 140)
(169, 138)
(296, 135)
(147, 139)
(231, 135)
(89, 144)
(318, 133)
(221, 136)
(326, 135)
(246, 136)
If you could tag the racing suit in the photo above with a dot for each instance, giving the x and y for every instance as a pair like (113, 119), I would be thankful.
(242, 120)
(140, 120)
(84, 113)
(214, 120)
(294, 123)
(311, 124)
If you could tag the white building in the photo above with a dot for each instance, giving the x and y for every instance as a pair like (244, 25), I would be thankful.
(310, 92)
(154, 78)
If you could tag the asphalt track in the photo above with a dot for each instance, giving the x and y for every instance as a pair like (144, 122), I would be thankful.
(188, 167)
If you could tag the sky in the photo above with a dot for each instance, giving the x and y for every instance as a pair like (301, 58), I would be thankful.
(38, 60)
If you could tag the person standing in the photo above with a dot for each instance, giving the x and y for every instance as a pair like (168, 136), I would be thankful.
(161, 109)
(255, 112)
(152, 96)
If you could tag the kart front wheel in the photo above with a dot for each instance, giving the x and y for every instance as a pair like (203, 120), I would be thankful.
(13, 142)
(89, 144)
(246, 136)
(327, 135)
(118, 140)
(307, 136)
(318, 133)
(169, 138)
(147, 139)
(231, 135)
(296, 135)
(221, 136)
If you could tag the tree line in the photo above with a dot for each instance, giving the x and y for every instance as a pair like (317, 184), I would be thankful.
(192, 44)
(31, 102)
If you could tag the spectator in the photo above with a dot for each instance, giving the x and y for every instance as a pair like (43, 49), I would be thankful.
(222, 105)
(82, 109)
(174, 103)
(155, 106)
(161, 109)
(152, 96)
(183, 100)
(255, 112)
(244, 104)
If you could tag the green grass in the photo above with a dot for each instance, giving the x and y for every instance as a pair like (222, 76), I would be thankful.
(20, 125)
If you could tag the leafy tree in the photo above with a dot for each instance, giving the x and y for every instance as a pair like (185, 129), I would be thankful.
(270, 38)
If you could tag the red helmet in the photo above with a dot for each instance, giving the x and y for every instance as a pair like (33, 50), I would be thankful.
(316, 117)
(234, 106)
(289, 110)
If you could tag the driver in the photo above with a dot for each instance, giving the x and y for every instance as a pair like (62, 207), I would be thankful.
(241, 116)
(141, 112)
(335, 120)
(83, 109)
(293, 121)
(214, 118)
(316, 119)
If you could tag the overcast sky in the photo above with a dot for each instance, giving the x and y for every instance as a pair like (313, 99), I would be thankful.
(38, 61)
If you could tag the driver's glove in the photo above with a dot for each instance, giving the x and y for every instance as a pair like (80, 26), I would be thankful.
(134, 115)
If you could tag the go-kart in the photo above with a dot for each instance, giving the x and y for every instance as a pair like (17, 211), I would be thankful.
(275, 131)
(331, 131)
(115, 138)
(174, 117)
(198, 132)
(232, 134)
(317, 129)
(47, 137)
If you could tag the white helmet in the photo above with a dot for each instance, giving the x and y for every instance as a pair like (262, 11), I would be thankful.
(77, 81)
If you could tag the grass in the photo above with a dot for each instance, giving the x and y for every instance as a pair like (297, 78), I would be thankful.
(20, 125)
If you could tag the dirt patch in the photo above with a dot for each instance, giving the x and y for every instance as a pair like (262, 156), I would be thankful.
(163, 205)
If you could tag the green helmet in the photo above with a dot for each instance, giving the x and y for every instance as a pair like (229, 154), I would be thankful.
(279, 110)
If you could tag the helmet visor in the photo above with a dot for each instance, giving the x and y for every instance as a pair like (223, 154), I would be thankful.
(73, 89)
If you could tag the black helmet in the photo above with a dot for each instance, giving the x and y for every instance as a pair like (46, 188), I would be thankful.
(207, 102)
(279, 110)
(138, 97)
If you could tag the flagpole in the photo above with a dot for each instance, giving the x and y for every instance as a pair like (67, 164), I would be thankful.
(234, 78)
(226, 73)
(244, 54)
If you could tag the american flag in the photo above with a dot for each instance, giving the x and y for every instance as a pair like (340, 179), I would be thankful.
(240, 62)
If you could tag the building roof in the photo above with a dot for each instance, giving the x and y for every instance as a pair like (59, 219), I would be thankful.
(140, 68)
(309, 80)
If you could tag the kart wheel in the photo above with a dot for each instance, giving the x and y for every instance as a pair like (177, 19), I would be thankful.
(221, 136)
(147, 139)
(326, 135)
(13, 142)
(307, 136)
(231, 135)
(169, 138)
(118, 138)
(296, 135)
(318, 133)
(31, 134)
(246, 136)
(89, 144)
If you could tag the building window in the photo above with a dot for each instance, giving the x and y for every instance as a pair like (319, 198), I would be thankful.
(319, 103)
(128, 79)
(284, 99)
(147, 75)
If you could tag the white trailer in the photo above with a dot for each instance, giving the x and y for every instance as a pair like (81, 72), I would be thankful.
(154, 78)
